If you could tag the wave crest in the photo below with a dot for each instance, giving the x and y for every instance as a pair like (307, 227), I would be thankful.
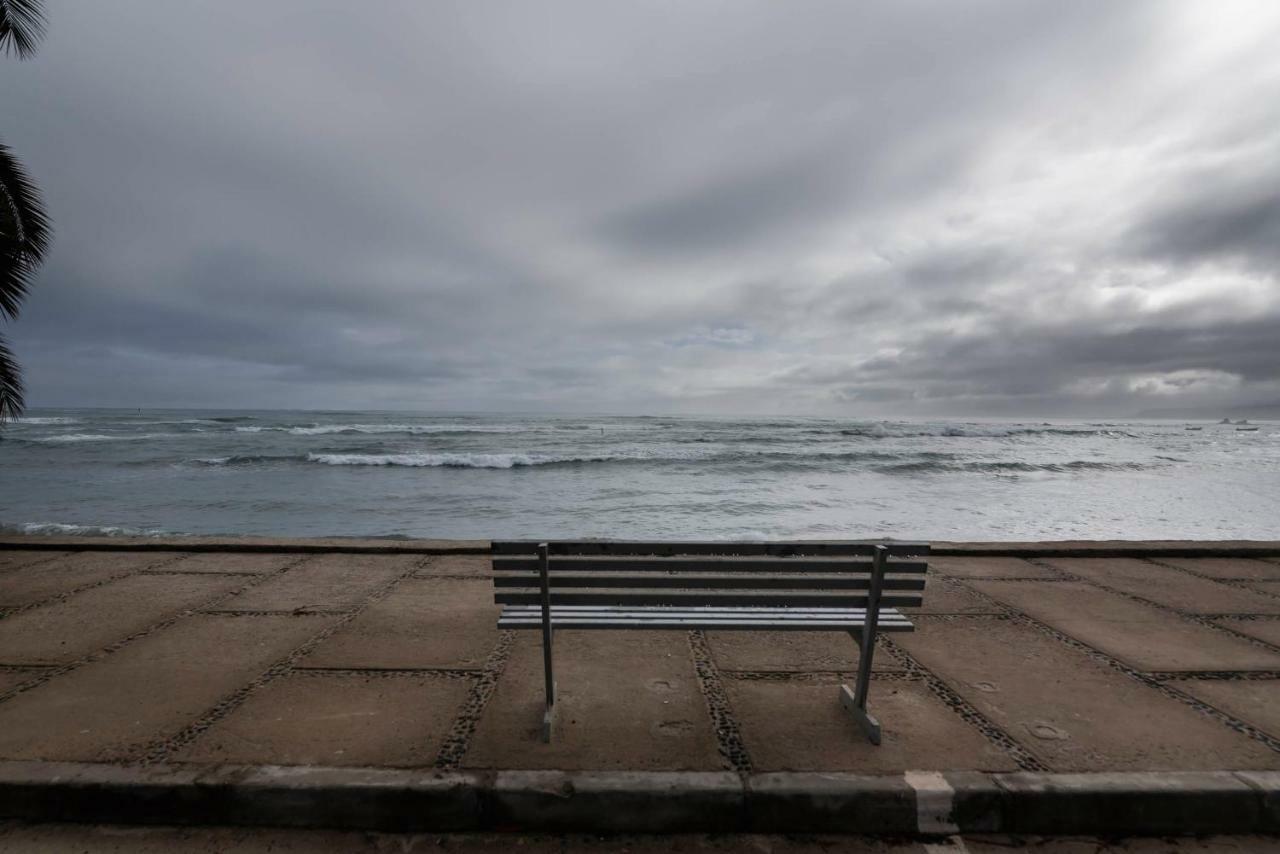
(65, 529)
(353, 429)
(1011, 467)
(457, 460)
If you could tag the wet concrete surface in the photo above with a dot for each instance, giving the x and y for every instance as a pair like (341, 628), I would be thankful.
(293, 657)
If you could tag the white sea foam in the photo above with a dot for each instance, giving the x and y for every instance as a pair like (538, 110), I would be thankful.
(413, 429)
(30, 420)
(100, 437)
(470, 461)
(892, 430)
(56, 528)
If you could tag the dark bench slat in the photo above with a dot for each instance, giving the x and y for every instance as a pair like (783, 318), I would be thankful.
(887, 615)
(609, 547)
(701, 609)
(705, 625)
(698, 621)
(674, 598)
(717, 582)
(529, 564)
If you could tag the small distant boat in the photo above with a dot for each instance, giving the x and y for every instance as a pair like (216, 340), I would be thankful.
(1192, 428)
(1246, 429)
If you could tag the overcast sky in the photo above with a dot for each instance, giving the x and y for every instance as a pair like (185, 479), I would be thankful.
(863, 209)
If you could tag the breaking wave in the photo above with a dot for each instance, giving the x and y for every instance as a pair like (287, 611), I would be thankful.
(97, 437)
(884, 462)
(248, 459)
(353, 429)
(973, 431)
(63, 529)
(35, 421)
(1008, 467)
(517, 460)
(468, 461)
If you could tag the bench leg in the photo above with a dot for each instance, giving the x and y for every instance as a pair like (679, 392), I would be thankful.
(855, 699)
(548, 721)
(548, 633)
(549, 715)
(865, 721)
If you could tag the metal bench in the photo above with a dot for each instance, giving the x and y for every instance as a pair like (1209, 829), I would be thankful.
(844, 587)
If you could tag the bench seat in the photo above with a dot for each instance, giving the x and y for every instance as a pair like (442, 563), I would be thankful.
(711, 618)
(849, 586)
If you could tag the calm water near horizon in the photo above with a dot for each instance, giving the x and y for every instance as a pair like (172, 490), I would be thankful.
(480, 476)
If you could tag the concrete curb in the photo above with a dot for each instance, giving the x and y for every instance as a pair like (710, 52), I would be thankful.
(911, 804)
(1077, 548)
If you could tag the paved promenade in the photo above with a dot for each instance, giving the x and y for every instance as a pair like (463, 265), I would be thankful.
(389, 658)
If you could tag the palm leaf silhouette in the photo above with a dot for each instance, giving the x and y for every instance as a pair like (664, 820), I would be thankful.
(21, 26)
(24, 226)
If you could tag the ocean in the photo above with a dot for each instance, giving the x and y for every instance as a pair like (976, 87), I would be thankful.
(480, 476)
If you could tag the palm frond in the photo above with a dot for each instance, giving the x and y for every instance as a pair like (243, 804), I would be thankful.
(21, 26)
(11, 404)
(24, 231)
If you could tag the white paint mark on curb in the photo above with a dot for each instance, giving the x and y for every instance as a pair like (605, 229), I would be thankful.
(934, 801)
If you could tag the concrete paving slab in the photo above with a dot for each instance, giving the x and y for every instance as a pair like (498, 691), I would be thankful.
(435, 622)
(1075, 713)
(477, 566)
(944, 596)
(259, 564)
(353, 719)
(33, 582)
(1271, 588)
(1227, 567)
(324, 583)
(1145, 637)
(41, 581)
(987, 567)
(1265, 630)
(122, 561)
(114, 707)
(14, 678)
(802, 726)
(1169, 587)
(790, 651)
(15, 558)
(89, 620)
(1257, 702)
(626, 700)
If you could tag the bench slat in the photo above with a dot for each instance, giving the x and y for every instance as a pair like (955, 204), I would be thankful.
(716, 582)
(668, 618)
(781, 613)
(892, 625)
(706, 625)
(529, 564)
(709, 597)
(622, 547)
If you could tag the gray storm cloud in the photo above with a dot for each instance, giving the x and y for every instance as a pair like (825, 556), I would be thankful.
(864, 209)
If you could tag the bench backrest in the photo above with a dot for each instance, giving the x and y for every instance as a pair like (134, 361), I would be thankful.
(798, 575)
